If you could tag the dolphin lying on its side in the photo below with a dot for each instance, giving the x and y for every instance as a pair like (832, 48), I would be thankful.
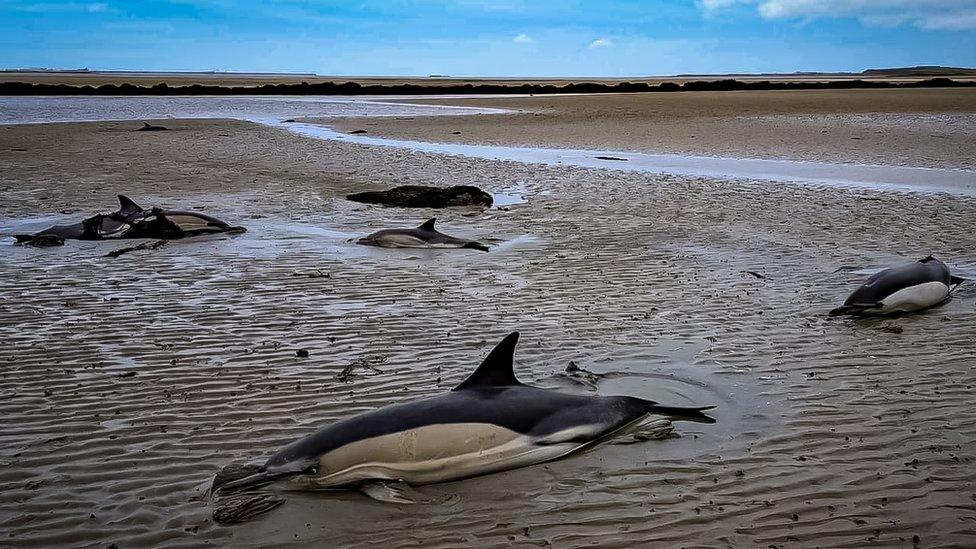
(424, 236)
(491, 422)
(132, 221)
(903, 289)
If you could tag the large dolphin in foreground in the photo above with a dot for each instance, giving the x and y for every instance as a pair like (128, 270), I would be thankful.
(490, 422)
(902, 289)
(424, 236)
(133, 221)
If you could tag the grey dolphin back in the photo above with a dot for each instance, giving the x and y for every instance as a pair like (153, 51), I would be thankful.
(497, 369)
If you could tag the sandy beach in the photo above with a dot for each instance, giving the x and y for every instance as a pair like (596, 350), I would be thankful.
(127, 383)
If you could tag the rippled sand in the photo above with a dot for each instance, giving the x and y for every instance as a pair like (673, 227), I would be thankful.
(126, 383)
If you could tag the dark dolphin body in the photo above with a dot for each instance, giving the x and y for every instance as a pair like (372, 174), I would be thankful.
(906, 288)
(490, 422)
(147, 127)
(132, 221)
(424, 236)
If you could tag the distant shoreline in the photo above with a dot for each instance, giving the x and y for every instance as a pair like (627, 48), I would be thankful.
(353, 88)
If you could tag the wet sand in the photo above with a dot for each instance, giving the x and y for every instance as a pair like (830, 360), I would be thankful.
(931, 128)
(126, 383)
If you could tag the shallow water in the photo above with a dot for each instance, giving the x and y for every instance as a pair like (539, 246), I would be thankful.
(897, 178)
(39, 110)
(274, 110)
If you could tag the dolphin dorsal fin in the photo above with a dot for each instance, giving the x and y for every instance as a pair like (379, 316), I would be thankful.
(128, 207)
(926, 259)
(428, 225)
(497, 370)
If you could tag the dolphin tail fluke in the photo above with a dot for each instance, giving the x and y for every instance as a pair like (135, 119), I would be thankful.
(476, 246)
(955, 281)
(696, 414)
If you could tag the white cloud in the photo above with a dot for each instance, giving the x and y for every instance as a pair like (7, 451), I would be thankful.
(522, 38)
(599, 43)
(924, 14)
(56, 7)
(711, 5)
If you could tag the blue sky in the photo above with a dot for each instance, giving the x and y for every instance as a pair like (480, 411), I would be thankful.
(485, 37)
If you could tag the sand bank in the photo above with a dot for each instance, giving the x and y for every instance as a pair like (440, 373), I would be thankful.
(933, 128)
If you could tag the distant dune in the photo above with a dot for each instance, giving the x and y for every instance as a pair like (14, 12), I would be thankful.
(920, 71)
(86, 82)
(895, 72)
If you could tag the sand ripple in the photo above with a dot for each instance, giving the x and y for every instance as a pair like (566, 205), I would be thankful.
(126, 383)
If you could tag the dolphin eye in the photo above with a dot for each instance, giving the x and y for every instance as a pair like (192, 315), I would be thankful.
(311, 470)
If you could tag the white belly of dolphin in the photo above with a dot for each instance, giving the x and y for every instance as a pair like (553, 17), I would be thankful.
(189, 222)
(445, 452)
(915, 297)
(434, 453)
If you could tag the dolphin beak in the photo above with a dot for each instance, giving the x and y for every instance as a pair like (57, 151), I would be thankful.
(262, 477)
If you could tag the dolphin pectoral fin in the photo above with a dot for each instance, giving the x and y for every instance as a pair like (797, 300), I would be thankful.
(390, 492)
(651, 428)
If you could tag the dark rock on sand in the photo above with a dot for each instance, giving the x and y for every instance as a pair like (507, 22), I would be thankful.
(892, 329)
(144, 246)
(42, 241)
(419, 196)
(236, 507)
(358, 132)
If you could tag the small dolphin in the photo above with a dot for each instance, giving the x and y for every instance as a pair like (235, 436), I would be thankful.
(490, 422)
(133, 221)
(424, 236)
(903, 289)
(147, 127)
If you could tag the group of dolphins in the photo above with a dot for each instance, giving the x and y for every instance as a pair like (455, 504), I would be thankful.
(134, 221)
(491, 421)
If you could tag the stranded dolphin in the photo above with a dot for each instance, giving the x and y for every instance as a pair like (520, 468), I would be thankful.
(902, 289)
(133, 221)
(424, 236)
(490, 422)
